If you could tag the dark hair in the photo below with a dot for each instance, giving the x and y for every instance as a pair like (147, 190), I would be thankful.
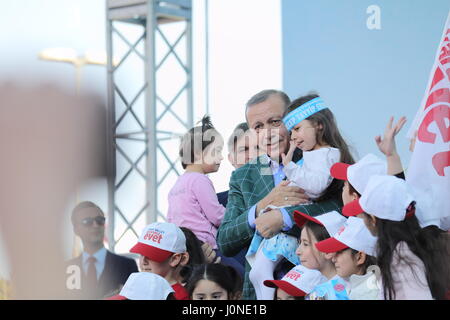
(330, 135)
(238, 132)
(81, 206)
(369, 261)
(295, 297)
(195, 251)
(427, 244)
(352, 189)
(264, 95)
(188, 145)
(319, 232)
(225, 276)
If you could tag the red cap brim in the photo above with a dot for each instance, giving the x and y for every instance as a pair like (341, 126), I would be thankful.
(339, 171)
(152, 253)
(352, 208)
(330, 245)
(301, 218)
(286, 287)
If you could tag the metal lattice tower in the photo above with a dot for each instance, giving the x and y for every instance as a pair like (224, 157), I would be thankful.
(149, 49)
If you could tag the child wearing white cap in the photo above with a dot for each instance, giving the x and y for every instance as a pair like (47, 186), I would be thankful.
(145, 286)
(414, 266)
(353, 249)
(296, 284)
(315, 229)
(162, 247)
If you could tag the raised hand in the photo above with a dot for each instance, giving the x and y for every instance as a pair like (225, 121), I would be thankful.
(286, 158)
(387, 143)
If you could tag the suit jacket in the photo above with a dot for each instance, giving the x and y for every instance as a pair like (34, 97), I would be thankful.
(248, 185)
(114, 275)
(223, 198)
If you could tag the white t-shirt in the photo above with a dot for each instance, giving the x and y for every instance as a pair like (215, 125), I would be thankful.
(314, 175)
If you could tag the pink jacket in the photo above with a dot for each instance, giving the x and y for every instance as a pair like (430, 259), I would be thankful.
(193, 204)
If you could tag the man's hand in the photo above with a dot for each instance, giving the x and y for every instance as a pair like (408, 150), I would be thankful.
(282, 195)
(270, 223)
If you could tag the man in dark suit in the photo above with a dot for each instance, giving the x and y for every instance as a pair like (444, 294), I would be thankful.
(102, 272)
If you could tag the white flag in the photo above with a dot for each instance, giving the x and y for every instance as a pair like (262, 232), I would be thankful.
(429, 169)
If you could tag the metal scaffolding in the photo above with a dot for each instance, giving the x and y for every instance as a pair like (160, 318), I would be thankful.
(149, 105)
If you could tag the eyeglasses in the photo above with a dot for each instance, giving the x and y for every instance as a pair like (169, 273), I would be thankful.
(90, 221)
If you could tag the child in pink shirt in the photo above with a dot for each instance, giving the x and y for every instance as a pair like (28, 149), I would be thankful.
(193, 202)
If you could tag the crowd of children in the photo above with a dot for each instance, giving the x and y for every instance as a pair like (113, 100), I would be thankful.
(374, 250)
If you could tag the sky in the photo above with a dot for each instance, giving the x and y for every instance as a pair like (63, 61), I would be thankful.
(244, 48)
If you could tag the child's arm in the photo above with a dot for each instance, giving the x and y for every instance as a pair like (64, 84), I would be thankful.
(314, 175)
(207, 198)
(287, 158)
(388, 148)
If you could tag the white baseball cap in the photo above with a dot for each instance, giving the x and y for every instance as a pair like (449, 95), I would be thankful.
(159, 241)
(354, 234)
(385, 197)
(358, 174)
(298, 282)
(332, 220)
(144, 286)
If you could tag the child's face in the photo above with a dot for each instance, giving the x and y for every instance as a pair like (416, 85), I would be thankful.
(209, 290)
(283, 295)
(160, 268)
(304, 135)
(307, 253)
(346, 195)
(346, 264)
(212, 155)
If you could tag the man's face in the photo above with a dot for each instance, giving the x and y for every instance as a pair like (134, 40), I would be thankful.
(266, 119)
(88, 225)
(246, 148)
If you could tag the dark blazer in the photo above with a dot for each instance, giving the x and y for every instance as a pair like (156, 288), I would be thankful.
(114, 275)
(223, 198)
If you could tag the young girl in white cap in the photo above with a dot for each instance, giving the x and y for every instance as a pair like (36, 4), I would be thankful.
(353, 249)
(315, 229)
(414, 266)
(313, 130)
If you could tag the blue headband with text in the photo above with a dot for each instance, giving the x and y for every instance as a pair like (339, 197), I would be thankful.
(302, 112)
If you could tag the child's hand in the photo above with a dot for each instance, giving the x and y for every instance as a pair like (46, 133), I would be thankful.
(387, 144)
(288, 158)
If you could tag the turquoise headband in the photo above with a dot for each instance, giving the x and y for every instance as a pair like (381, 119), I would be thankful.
(304, 111)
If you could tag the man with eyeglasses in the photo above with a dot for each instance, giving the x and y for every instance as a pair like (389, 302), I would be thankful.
(103, 272)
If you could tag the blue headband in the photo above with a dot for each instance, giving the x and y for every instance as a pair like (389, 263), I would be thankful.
(302, 112)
